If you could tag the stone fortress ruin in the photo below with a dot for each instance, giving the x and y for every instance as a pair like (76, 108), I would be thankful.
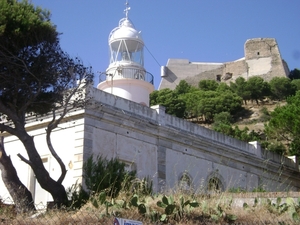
(262, 58)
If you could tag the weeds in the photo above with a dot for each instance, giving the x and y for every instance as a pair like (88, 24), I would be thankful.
(277, 207)
(133, 198)
(176, 208)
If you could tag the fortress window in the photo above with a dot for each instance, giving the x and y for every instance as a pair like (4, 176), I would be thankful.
(257, 53)
(218, 77)
(185, 182)
(214, 185)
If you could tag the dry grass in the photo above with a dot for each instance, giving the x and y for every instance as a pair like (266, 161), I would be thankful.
(254, 119)
(89, 214)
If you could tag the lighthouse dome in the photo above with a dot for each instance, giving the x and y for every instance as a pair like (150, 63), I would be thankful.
(126, 32)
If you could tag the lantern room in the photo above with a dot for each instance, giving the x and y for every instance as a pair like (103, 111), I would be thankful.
(126, 76)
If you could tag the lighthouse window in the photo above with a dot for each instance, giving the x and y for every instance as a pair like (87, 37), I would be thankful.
(125, 56)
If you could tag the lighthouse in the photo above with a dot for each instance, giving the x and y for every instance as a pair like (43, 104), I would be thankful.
(126, 76)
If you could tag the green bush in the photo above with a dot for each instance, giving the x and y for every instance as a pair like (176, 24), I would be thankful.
(103, 174)
(77, 196)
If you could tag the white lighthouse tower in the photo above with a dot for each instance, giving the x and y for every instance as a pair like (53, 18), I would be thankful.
(126, 76)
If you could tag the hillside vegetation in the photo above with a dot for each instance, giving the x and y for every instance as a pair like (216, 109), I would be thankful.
(252, 110)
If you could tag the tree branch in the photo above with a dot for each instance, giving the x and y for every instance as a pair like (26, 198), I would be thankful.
(5, 110)
(54, 154)
(24, 159)
(52, 125)
(5, 128)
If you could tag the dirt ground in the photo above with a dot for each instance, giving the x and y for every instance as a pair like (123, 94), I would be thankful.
(254, 119)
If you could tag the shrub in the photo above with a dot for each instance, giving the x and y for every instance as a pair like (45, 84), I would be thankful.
(77, 196)
(103, 174)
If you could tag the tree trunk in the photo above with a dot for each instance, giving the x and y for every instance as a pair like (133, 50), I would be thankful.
(56, 189)
(20, 194)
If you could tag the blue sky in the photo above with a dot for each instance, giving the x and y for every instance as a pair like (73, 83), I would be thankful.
(198, 30)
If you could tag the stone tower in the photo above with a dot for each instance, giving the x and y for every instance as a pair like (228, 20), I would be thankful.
(126, 76)
(263, 58)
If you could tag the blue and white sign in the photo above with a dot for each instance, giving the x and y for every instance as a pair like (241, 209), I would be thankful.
(120, 221)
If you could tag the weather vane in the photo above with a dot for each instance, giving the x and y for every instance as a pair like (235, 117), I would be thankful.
(127, 9)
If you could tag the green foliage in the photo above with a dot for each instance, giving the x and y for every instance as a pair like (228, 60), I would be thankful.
(236, 190)
(223, 87)
(246, 135)
(228, 102)
(169, 209)
(258, 88)
(168, 204)
(22, 25)
(100, 198)
(243, 135)
(136, 203)
(294, 209)
(224, 129)
(277, 207)
(143, 207)
(281, 88)
(217, 213)
(240, 88)
(274, 146)
(296, 84)
(247, 207)
(174, 210)
(169, 99)
(189, 102)
(217, 102)
(77, 196)
(294, 74)
(103, 174)
(208, 85)
(182, 88)
(35, 73)
(141, 186)
(207, 104)
(222, 118)
(259, 189)
(284, 124)
(222, 124)
(253, 89)
(192, 100)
